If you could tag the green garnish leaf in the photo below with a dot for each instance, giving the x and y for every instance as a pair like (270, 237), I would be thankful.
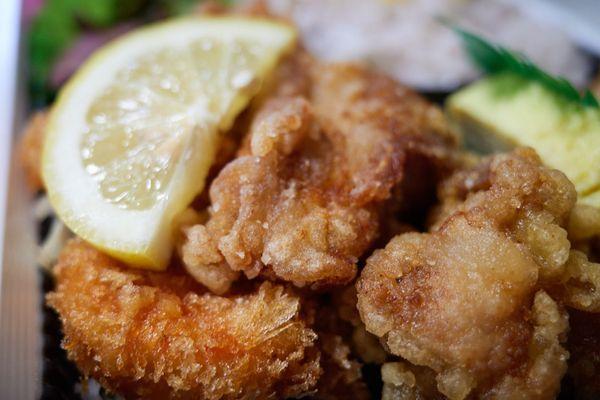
(589, 100)
(492, 58)
(51, 32)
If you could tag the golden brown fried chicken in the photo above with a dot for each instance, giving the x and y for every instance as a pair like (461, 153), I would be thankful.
(30, 150)
(303, 200)
(342, 378)
(565, 249)
(595, 86)
(579, 284)
(160, 336)
(465, 300)
(584, 230)
(342, 375)
(402, 381)
(534, 380)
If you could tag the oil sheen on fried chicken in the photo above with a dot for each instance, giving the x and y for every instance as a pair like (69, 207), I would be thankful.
(160, 336)
(303, 200)
(467, 299)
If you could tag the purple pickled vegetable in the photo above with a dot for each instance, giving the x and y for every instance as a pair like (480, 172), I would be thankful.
(85, 45)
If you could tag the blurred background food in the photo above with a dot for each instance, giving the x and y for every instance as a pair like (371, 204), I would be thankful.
(402, 37)
(406, 40)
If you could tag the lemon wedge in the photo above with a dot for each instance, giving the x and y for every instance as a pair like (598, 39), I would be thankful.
(134, 132)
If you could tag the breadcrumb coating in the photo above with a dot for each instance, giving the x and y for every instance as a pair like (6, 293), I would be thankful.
(161, 336)
(464, 299)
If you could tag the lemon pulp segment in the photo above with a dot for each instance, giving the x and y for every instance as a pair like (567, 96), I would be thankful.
(132, 136)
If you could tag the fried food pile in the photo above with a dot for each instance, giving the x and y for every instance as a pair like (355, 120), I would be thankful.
(327, 156)
(343, 227)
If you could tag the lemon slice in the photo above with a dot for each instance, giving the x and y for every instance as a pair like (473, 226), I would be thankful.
(133, 134)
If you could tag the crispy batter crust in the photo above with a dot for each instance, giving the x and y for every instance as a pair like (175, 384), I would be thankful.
(303, 200)
(403, 381)
(159, 335)
(464, 299)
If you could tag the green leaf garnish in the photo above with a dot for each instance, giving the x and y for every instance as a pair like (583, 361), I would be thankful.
(492, 58)
(57, 26)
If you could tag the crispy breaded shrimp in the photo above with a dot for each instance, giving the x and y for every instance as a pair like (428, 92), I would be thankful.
(465, 299)
(160, 336)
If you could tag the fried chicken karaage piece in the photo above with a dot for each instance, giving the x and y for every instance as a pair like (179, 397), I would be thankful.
(467, 299)
(30, 150)
(584, 230)
(161, 336)
(567, 251)
(405, 381)
(584, 349)
(303, 200)
(365, 345)
(342, 377)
